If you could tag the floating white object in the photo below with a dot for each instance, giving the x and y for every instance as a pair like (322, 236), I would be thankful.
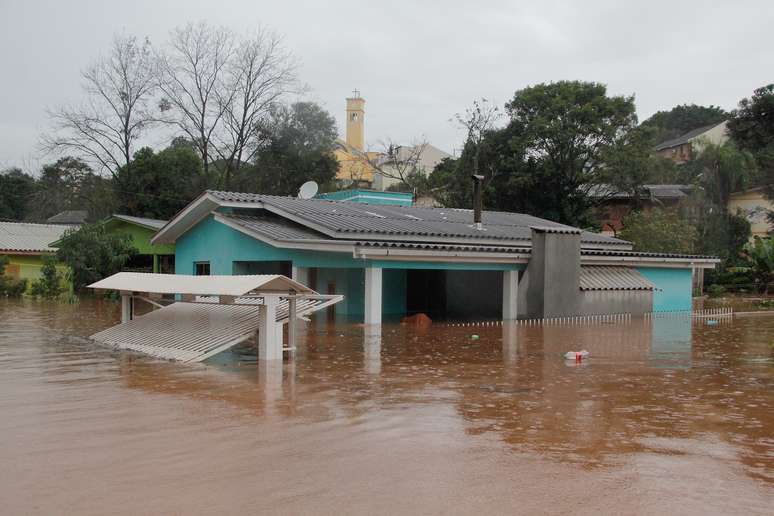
(577, 355)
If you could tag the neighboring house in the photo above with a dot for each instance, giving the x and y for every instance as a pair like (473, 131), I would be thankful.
(149, 257)
(755, 207)
(26, 244)
(398, 260)
(426, 156)
(686, 146)
(615, 205)
(356, 165)
(69, 217)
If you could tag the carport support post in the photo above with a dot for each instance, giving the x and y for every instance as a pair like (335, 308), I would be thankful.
(126, 307)
(510, 295)
(373, 295)
(292, 323)
(269, 339)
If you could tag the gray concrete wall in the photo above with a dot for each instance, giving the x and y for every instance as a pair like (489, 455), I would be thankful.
(550, 285)
(596, 302)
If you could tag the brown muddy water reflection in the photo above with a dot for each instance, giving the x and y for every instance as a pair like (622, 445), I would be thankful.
(666, 417)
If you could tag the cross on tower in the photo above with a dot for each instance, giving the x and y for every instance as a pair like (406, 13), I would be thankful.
(356, 93)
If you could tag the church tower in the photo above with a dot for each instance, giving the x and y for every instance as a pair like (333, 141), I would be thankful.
(356, 121)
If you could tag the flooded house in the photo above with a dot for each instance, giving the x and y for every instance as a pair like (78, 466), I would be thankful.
(26, 245)
(389, 261)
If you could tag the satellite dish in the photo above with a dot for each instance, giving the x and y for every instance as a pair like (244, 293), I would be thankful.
(307, 190)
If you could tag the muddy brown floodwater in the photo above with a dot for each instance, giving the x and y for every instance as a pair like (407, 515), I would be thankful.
(667, 417)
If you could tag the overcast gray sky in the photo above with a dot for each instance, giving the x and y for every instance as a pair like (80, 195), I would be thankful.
(416, 63)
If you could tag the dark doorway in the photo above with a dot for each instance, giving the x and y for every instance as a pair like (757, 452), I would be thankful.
(455, 294)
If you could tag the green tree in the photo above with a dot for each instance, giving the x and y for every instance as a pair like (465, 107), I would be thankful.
(70, 184)
(683, 118)
(91, 253)
(659, 231)
(722, 234)
(49, 285)
(721, 170)
(760, 254)
(752, 128)
(548, 157)
(16, 187)
(158, 185)
(296, 145)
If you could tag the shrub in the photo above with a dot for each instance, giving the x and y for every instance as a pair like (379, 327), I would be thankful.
(9, 286)
(49, 286)
(716, 290)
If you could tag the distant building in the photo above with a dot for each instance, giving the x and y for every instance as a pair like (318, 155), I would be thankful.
(615, 205)
(686, 146)
(149, 257)
(69, 217)
(356, 165)
(26, 244)
(755, 207)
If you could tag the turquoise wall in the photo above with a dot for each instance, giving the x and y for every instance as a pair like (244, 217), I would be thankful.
(676, 288)
(211, 241)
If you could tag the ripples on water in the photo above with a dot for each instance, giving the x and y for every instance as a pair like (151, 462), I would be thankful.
(666, 416)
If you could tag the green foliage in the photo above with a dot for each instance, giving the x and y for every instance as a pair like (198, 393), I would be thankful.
(158, 185)
(681, 119)
(92, 253)
(70, 184)
(296, 144)
(723, 234)
(659, 231)
(715, 290)
(548, 156)
(722, 170)
(16, 187)
(8, 286)
(49, 286)
(760, 254)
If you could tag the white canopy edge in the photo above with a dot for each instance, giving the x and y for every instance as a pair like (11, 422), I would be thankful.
(201, 285)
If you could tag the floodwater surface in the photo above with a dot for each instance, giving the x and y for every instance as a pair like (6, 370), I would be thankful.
(666, 417)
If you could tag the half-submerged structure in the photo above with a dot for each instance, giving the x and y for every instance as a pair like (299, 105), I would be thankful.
(448, 263)
(208, 314)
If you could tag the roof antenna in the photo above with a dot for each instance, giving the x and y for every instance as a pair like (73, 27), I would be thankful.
(477, 200)
(307, 190)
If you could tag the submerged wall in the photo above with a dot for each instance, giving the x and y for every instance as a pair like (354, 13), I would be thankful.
(597, 302)
(675, 288)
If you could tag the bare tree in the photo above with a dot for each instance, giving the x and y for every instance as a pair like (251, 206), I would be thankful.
(402, 163)
(477, 121)
(260, 73)
(192, 78)
(115, 112)
(217, 87)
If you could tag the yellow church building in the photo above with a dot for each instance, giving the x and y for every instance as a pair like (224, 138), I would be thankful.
(354, 161)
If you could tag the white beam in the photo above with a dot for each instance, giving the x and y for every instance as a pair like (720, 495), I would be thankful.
(126, 308)
(269, 335)
(510, 294)
(373, 295)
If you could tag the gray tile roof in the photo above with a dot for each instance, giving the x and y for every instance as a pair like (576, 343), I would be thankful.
(69, 217)
(29, 238)
(142, 221)
(613, 278)
(638, 254)
(685, 138)
(358, 221)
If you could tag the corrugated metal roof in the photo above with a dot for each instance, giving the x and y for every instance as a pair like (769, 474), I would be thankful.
(445, 247)
(27, 237)
(351, 220)
(275, 228)
(613, 278)
(142, 221)
(200, 285)
(69, 217)
(638, 254)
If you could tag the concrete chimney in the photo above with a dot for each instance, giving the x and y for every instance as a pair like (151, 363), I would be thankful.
(478, 201)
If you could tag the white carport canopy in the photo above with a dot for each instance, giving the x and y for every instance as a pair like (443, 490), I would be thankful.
(201, 285)
(214, 313)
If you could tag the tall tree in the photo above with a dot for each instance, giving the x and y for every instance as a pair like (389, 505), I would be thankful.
(16, 188)
(115, 113)
(160, 184)
(683, 118)
(295, 146)
(217, 87)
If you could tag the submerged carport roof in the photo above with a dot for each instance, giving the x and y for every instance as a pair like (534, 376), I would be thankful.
(201, 285)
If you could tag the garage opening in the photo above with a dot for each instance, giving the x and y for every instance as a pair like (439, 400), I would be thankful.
(455, 294)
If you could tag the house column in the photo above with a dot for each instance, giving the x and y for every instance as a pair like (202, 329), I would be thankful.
(269, 335)
(510, 294)
(373, 295)
(126, 307)
(301, 275)
(155, 263)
